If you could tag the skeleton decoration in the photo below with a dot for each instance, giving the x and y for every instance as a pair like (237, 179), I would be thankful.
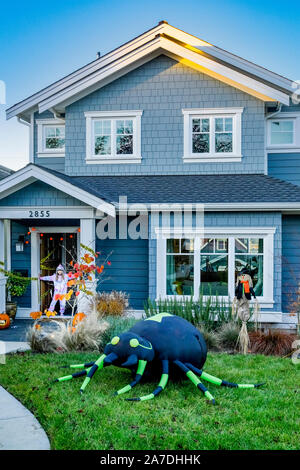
(163, 343)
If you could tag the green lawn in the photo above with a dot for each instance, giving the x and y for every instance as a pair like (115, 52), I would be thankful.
(179, 418)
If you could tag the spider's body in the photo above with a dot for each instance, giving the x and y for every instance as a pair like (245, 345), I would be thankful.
(158, 341)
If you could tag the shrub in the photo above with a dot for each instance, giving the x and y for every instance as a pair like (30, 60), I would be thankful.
(211, 312)
(228, 334)
(271, 343)
(60, 336)
(110, 303)
(210, 337)
(116, 326)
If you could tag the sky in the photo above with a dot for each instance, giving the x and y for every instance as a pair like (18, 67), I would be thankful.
(40, 42)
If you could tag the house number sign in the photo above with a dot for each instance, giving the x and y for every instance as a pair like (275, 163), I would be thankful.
(38, 214)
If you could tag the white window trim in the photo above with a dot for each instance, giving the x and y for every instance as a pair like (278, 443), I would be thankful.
(91, 158)
(234, 156)
(41, 149)
(267, 233)
(287, 116)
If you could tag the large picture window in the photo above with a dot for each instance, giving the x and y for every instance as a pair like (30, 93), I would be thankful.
(113, 137)
(194, 265)
(212, 134)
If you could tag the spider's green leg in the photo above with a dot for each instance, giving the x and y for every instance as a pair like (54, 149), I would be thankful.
(215, 380)
(80, 366)
(98, 365)
(139, 374)
(193, 378)
(162, 384)
(73, 376)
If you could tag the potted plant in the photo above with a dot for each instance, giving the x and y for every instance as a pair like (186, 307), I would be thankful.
(16, 286)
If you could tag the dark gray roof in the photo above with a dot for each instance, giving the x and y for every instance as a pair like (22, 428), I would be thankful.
(233, 188)
(4, 172)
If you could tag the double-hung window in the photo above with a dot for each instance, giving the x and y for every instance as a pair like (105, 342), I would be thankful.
(212, 134)
(51, 137)
(113, 137)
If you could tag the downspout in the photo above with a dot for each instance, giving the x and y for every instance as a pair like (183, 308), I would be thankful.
(268, 116)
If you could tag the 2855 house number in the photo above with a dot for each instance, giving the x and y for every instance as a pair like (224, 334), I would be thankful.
(39, 214)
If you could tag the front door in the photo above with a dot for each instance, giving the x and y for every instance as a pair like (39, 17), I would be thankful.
(55, 249)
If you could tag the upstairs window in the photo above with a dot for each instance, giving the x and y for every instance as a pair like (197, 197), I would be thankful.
(51, 137)
(281, 132)
(113, 137)
(212, 134)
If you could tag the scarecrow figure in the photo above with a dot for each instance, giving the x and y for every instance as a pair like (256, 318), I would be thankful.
(60, 280)
(244, 291)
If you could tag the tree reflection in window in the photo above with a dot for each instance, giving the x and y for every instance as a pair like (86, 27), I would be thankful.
(180, 266)
(214, 266)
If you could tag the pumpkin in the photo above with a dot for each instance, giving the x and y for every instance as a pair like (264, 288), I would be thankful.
(78, 318)
(4, 321)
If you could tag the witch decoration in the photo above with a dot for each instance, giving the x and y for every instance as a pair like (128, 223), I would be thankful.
(241, 306)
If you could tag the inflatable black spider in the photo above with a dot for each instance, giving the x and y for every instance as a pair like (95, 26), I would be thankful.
(162, 339)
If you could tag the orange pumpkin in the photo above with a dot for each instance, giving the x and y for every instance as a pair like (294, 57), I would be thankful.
(4, 321)
(78, 318)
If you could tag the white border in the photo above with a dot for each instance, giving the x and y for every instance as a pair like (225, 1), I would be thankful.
(267, 233)
(234, 156)
(136, 157)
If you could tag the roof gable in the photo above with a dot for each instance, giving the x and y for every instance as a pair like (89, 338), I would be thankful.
(32, 173)
(171, 41)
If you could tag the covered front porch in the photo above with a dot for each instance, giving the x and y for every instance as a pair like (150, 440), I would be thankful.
(40, 212)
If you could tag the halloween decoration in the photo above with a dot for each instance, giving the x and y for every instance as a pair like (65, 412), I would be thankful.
(60, 280)
(78, 318)
(4, 321)
(244, 291)
(163, 341)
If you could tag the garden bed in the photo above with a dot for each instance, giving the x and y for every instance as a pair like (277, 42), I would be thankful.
(180, 418)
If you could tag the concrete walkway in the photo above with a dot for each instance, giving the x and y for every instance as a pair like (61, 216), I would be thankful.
(19, 429)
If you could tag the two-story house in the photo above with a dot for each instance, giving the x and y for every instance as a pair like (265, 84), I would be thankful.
(166, 120)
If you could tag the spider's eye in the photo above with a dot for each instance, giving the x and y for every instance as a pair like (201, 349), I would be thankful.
(134, 343)
(115, 340)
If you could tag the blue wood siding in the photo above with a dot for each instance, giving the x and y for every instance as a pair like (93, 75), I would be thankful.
(290, 261)
(285, 166)
(162, 88)
(21, 260)
(129, 268)
(40, 194)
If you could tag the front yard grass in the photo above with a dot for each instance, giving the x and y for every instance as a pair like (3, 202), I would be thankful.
(179, 418)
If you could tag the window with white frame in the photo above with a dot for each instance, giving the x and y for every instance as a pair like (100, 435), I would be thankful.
(113, 137)
(51, 137)
(281, 132)
(212, 134)
(195, 265)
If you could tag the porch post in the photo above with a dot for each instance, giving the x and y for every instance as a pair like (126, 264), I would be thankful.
(2, 260)
(87, 238)
(35, 270)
